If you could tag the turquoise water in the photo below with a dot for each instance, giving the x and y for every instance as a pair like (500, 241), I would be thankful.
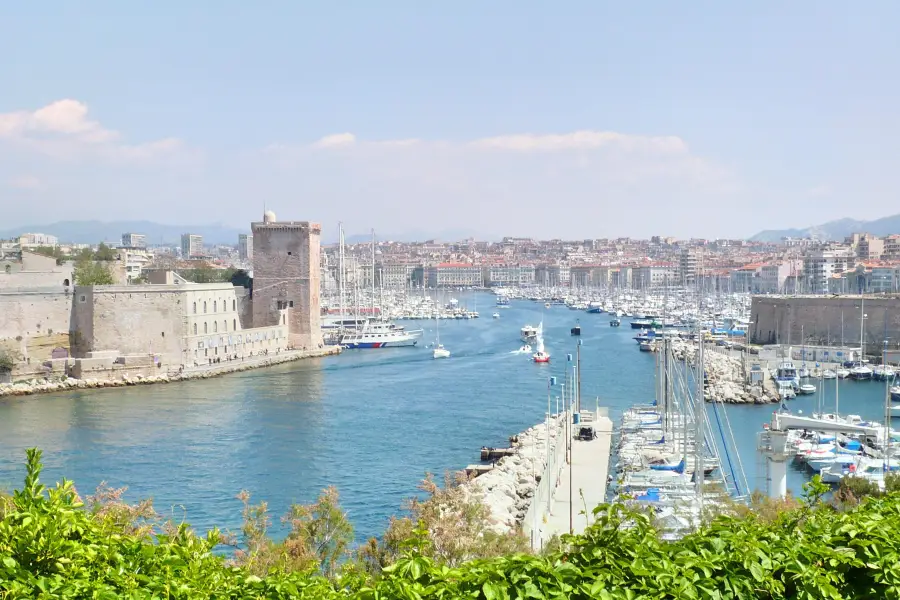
(370, 422)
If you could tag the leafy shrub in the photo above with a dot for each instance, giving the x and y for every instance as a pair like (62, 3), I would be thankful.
(52, 547)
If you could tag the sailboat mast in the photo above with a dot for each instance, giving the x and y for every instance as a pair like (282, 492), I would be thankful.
(341, 273)
(373, 274)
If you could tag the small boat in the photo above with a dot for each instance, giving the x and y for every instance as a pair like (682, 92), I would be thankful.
(842, 373)
(883, 372)
(828, 374)
(546, 305)
(529, 334)
(526, 349)
(807, 388)
(803, 372)
(576, 330)
(441, 352)
(895, 393)
(646, 346)
(615, 322)
(861, 372)
(496, 315)
(541, 357)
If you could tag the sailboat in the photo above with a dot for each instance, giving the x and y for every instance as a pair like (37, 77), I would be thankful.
(541, 356)
(439, 350)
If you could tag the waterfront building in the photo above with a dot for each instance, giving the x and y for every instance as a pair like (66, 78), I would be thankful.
(396, 276)
(654, 275)
(508, 274)
(134, 240)
(177, 323)
(286, 278)
(454, 275)
(245, 246)
(191, 245)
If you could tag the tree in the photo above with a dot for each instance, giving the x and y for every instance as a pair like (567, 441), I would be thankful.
(8, 360)
(241, 278)
(88, 272)
(105, 253)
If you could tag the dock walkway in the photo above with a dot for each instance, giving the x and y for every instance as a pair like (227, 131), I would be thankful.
(588, 470)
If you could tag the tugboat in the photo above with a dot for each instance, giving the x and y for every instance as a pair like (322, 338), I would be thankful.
(577, 329)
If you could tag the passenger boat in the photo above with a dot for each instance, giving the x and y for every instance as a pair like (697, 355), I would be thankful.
(615, 322)
(529, 334)
(576, 330)
(379, 334)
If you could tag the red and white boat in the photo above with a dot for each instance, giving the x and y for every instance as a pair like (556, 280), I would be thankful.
(541, 356)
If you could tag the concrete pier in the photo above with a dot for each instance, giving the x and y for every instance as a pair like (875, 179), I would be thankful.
(580, 486)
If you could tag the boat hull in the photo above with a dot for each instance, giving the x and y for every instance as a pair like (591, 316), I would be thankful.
(372, 345)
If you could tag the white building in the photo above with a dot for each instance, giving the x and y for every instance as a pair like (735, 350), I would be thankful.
(245, 246)
(820, 266)
(30, 240)
(134, 240)
(191, 245)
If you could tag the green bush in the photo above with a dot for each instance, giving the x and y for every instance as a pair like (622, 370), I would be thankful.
(51, 546)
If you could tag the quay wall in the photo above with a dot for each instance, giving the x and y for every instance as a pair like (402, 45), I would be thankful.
(818, 320)
(34, 313)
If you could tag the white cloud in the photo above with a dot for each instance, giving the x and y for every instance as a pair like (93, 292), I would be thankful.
(64, 130)
(581, 140)
(337, 139)
(25, 182)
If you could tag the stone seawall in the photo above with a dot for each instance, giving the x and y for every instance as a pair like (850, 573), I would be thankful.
(507, 489)
(47, 386)
(724, 375)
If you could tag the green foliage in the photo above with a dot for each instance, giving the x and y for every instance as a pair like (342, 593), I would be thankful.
(51, 251)
(206, 273)
(105, 253)
(88, 272)
(52, 546)
(8, 359)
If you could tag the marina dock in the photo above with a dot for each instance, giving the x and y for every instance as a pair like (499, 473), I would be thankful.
(579, 485)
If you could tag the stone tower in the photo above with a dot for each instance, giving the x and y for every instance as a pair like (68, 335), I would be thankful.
(286, 277)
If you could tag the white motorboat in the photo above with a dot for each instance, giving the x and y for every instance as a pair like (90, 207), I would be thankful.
(807, 388)
(441, 352)
(828, 374)
(496, 315)
(529, 334)
(842, 373)
(895, 393)
(861, 372)
(803, 372)
(526, 349)
(379, 334)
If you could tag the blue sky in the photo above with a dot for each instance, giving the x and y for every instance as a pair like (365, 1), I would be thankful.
(572, 119)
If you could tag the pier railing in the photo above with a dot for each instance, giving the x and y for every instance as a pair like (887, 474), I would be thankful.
(542, 501)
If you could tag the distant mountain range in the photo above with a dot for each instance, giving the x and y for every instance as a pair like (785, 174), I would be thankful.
(834, 230)
(94, 232)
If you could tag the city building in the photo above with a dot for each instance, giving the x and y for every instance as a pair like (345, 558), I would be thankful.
(286, 278)
(134, 240)
(191, 245)
(245, 246)
(689, 265)
(31, 240)
(505, 275)
(654, 276)
(821, 265)
(454, 275)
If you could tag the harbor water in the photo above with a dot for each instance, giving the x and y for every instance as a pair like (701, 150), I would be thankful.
(370, 422)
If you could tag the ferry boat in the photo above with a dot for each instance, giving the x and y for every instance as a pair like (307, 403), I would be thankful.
(502, 302)
(379, 334)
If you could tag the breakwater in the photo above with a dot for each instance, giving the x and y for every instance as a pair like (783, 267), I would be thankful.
(725, 381)
(508, 489)
(44, 386)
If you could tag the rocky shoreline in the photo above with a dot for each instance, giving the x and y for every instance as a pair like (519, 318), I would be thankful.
(724, 376)
(36, 386)
(508, 488)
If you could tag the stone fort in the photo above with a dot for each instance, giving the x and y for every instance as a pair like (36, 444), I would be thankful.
(170, 323)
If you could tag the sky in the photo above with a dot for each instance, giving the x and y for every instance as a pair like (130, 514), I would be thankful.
(574, 119)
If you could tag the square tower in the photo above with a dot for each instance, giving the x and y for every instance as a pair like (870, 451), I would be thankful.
(286, 278)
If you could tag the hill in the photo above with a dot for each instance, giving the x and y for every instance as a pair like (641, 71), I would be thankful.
(834, 230)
